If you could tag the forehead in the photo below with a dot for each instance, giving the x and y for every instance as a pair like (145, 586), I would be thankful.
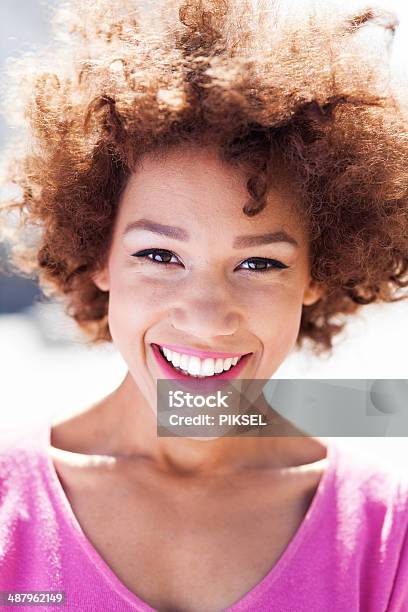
(193, 186)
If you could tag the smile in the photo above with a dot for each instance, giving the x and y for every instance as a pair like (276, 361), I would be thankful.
(183, 365)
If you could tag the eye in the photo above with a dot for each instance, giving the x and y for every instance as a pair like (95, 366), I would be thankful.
(164, 257)
(265, 264)
(160, 256)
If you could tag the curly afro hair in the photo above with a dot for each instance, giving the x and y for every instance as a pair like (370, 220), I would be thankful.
(304, 92)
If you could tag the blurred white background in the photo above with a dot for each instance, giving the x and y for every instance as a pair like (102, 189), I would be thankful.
(44, 368)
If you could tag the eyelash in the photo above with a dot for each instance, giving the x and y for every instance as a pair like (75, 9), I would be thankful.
(277, 265)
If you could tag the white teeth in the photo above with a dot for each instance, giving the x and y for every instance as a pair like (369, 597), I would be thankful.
(219, 366)
(175, 359)
(184, 362)
(227, 364)
(195, 366)
(207, 367)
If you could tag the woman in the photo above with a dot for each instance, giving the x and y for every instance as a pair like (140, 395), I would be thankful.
(211, 184)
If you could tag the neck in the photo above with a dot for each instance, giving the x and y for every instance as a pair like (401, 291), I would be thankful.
(130, 427)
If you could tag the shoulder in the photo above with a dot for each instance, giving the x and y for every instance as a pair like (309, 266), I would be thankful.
(28, 519)
(363, 483)
(22, 484)
(362, 526)
(17, 481)
(370, 502)
(21, 460)
(364, 477)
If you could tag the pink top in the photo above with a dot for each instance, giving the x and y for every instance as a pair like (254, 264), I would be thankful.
(349, 553)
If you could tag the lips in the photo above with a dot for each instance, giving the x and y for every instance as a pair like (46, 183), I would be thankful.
(202, 354)
(171, 372)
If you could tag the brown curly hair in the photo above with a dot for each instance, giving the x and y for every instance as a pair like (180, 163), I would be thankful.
(297, 92)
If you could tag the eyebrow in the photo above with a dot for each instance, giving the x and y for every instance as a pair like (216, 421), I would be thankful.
(178, 233)
(158, 228)
(258, 239)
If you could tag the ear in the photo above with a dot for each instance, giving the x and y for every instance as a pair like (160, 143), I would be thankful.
(312, 293)
(101, 279)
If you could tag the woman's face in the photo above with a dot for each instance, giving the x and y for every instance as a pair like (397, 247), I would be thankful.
(214, 293)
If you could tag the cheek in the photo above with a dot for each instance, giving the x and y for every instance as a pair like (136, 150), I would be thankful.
(275, 317)
(279, 304)
(133, 308)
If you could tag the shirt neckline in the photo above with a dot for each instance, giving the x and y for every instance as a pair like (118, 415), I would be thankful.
(108, 575)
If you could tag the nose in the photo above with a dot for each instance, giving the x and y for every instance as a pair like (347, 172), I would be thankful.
(205, 308)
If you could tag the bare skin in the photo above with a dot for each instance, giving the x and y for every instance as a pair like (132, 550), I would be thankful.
(186, 524)
(169, 534)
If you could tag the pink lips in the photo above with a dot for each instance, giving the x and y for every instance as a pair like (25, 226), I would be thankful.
(170, 372)
(202, 354)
